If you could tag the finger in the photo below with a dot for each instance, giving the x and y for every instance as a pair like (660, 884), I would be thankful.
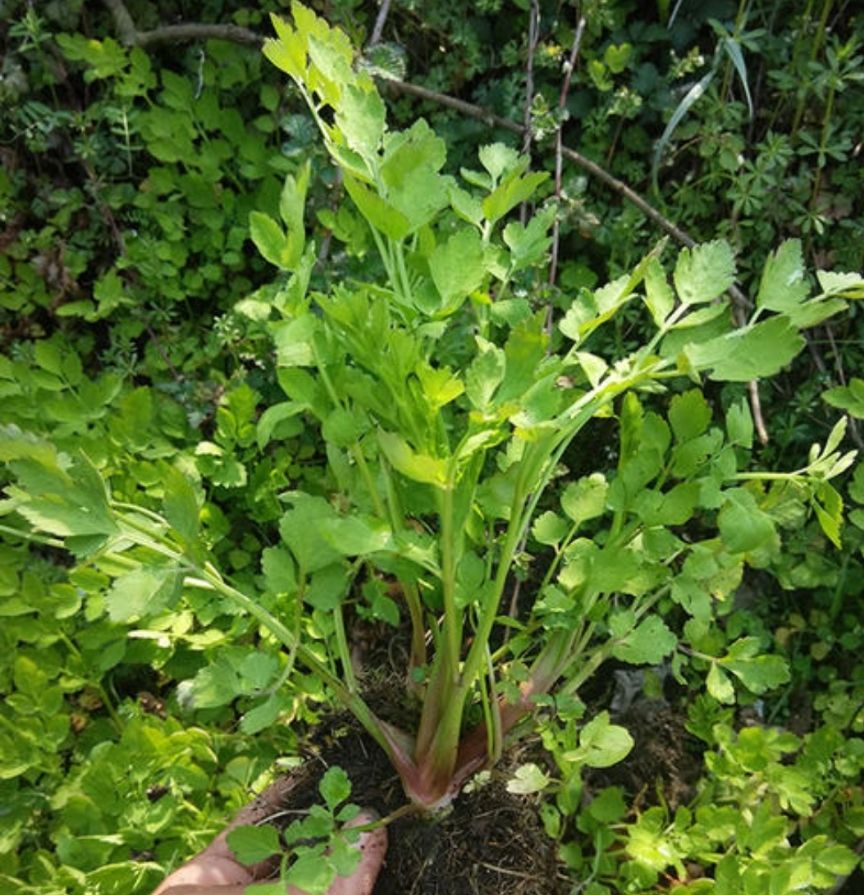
(206, 871)
(373, 847)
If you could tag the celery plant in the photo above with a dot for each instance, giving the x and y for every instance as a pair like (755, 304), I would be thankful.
(450, 416)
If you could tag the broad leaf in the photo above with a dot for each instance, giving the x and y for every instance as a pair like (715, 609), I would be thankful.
(747, 353)
(704, 272)
(144, 591)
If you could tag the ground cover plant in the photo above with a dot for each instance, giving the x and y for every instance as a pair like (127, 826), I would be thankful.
(412, 441)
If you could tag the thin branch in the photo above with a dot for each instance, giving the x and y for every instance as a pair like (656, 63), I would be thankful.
(533, 38)
(559, 142)
(380, 21)
(132, 37)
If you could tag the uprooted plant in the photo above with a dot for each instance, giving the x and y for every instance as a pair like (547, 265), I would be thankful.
(450, 414)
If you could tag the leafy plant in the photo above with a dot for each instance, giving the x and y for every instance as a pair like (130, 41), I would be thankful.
(449, 414)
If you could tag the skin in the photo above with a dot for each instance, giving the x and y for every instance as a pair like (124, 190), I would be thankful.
(214, 871)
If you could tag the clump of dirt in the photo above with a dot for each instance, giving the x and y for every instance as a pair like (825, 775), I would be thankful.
(490, 842)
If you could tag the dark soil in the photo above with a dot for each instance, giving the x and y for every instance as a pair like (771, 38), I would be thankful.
(665, 763)
(490, 842)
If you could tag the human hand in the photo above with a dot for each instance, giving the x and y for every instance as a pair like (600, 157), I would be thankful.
(215, 871)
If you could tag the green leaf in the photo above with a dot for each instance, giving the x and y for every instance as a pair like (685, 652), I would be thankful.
(837, 859)
(300, 529)
(849, 398)
(280, 573)
(659, 296)
(689, 415)
(549, 528)
(335, 787)
(758, 673)
(180, 503)
(383, 216)
(601, 744)
(511, 192)
(783, 286)
(253, 844)
(485, 374)
(312, 873)
(739, 424)
(270, 239)
(748, 353)
(828, 506)
(264, 714)
(529, 244)
(360, 116)
(704, 272)
(327, 587)
(55, 493)
(585, 498)
(719, 685)
(647, 644)
(272, 422)
(458, 266)
(356, 536)
(417, 467)
(144, 591)
(528, 778)
(744, 527)
(294, 340)
(499, 159)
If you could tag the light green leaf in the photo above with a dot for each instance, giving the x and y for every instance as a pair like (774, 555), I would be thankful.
(719, 685)
(280, 573)
(783, 286)
(739, 424)
(758, 673)
(294, 340)
(335, 787)
(499, 159)
(837, 859)
(417, 467)
(549, 528)
(360, 116)
(704, 272)
(529, 244)
(458, 266)
(485, 374)
(383, 216)
(312, 873)
(747, 353)
(300, 530)
(586, 498)
(847, 285)
(689, 415)
(180, 503)
(659, 296)
(601, 744)
(270, 239)
(528, 778)
(510, 192)
(356, 535)
(647, 644)
(144, 591)
(271, 421)
(252, 844)
(849, 398)
(744, 527)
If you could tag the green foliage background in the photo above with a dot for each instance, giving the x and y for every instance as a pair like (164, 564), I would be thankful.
(130, 314)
